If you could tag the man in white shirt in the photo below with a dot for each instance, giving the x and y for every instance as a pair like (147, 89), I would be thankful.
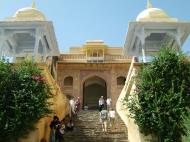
(108, 102)
(72, 105)
(112, 118)
(101, 103)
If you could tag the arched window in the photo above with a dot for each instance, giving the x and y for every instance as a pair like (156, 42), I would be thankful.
(121, 80)
(68, 81)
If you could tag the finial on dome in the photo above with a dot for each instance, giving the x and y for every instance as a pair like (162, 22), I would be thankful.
(33, 4)
(149, 4)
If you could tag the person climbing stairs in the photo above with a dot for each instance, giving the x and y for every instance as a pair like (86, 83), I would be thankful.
(88, 129)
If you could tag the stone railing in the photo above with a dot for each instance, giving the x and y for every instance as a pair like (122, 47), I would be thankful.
(133, 130)
(83, 58)
(95, 59)
(116, 57)
(72, 57)
(59, 106)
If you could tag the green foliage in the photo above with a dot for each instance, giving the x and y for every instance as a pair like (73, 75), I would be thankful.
(161, 101)
(187, 124)
(23, 99)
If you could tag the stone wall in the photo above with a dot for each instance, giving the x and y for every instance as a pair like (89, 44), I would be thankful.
(59, 107)
(134, 134)
(83, 71)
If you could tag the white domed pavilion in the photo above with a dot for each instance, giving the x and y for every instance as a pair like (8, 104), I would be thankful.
(28, 14)
(152, 28)
(27, 34)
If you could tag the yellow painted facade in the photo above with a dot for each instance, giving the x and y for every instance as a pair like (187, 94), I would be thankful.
(93, 65)
(59, 106)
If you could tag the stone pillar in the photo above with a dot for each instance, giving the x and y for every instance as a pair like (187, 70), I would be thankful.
(142, 39)
(113, 86)
(86, 54)
(143, 53)
(1, 42)
(103, 54)
(76, 84)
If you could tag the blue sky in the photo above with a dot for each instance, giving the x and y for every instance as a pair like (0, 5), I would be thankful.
(76, 21)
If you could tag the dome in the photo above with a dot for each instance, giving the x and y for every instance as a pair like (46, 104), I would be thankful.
(154, 15)
(28, 14)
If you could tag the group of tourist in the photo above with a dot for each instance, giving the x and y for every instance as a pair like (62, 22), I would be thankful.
(106, 115)
(102, 103)
(74, 106)
(58, 128)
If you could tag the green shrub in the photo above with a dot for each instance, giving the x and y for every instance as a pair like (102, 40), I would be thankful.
(187, 124)
(161, 101)
(23, 100)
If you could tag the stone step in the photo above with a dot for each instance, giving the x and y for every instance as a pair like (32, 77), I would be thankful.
(88, 129)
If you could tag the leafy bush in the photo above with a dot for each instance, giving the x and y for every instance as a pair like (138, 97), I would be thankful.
(161, 101)
(23, 99)
(187, 124)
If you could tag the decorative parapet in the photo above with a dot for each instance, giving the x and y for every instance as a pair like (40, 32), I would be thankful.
(83, 58)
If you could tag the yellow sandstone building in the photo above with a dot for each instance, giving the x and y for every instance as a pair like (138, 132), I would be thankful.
(93, 69)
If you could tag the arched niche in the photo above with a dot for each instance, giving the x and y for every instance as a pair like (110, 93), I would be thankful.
(68, 81)
(121, 80)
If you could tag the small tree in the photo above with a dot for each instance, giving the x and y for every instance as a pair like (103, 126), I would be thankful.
(23, 99)
(161, 101)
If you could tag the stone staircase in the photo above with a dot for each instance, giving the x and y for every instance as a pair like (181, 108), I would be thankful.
(88, 129)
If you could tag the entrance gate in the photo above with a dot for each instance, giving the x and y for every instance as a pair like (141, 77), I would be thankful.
(93, 89)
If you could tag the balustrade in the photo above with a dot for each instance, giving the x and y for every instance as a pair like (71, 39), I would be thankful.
(84, 58)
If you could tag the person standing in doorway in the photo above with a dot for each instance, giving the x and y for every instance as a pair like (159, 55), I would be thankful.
(101, 103)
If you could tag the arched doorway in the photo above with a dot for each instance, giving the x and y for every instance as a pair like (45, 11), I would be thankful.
(93, 89)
